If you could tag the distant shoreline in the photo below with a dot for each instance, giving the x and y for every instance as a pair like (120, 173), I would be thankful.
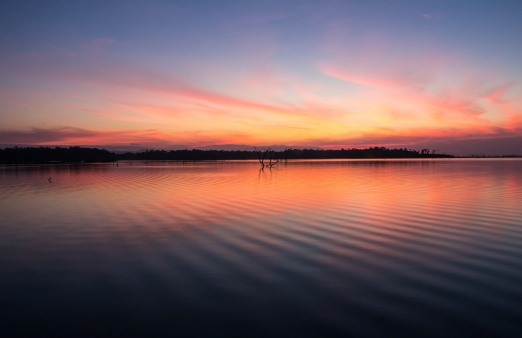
(76, 155)
(63, 155)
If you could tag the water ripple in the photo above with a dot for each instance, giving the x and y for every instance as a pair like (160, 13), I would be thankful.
(368, 248)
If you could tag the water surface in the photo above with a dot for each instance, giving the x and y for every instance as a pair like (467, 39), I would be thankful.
(312, 248)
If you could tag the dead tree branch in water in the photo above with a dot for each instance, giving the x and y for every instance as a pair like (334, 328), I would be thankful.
(261, 154)
(272, 157)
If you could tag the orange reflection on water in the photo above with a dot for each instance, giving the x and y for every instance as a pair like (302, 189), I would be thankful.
(234, 193)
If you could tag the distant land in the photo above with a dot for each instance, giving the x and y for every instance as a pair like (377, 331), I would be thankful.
(135, 148)
(472, 147)
(26, 155)
(76, 154)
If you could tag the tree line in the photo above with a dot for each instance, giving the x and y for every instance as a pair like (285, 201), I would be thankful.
(288, 154)
(89, 155)
(55, 155)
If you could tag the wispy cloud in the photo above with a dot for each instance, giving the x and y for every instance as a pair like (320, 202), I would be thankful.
(426, 90)
(72, 135)
(367, 93)
(432, 15)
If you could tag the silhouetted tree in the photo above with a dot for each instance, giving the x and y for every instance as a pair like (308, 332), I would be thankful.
(272, 157)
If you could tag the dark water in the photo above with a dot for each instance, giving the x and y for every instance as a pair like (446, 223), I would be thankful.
(363, 248)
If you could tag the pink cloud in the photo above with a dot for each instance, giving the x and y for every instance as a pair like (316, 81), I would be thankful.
(498, 94)
(447, 99)
(158, 83)
(147, 138)
(378, 78)
(23, 97)
(74, 136)
(128, 80)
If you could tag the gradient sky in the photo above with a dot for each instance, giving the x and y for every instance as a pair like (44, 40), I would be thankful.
(159, 74)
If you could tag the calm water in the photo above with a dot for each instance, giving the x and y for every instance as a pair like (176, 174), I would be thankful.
(369, 248)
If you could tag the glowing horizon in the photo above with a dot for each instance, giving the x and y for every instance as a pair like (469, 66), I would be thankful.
(334, 75)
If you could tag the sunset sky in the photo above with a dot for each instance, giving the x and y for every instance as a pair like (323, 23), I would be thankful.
(445, 75)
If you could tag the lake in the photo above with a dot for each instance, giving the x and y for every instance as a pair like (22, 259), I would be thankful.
(308, 249)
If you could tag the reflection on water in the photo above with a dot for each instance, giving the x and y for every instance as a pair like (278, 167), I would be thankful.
(369, 248)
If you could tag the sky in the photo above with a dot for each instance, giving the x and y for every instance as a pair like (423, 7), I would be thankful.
(444, 75)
